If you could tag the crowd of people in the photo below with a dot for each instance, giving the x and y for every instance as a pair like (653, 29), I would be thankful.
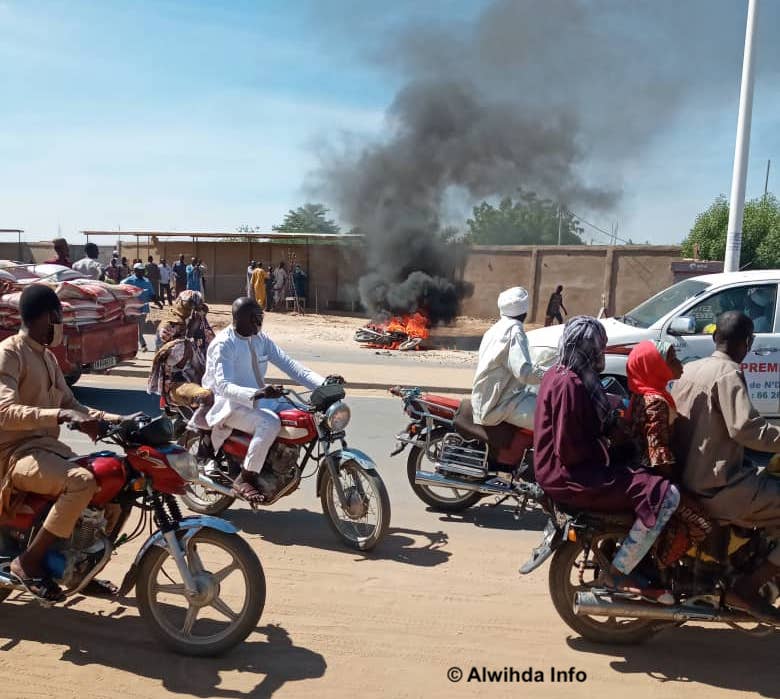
(675, 457)
(272, 286)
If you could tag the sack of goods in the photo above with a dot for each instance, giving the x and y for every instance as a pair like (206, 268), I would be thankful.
(84, 301)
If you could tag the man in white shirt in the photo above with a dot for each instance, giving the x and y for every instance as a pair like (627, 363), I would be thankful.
(89, 265)
(505, 369)
(236, 364)
(165, 282)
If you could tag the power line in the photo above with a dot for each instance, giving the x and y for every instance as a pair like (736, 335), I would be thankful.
(607, 234)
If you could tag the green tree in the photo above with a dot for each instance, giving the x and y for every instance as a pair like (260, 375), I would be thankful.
(760, 233)
(528, 221)
(309, 218)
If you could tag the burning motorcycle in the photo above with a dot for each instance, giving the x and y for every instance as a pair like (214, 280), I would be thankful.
(403, 333)
(353, 495)
(453, 463)
(199, 585)
(582, 545)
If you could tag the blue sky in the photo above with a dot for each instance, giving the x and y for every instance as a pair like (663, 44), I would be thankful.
(207, 115)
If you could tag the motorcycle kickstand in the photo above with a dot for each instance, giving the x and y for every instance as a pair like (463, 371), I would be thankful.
(520, 508)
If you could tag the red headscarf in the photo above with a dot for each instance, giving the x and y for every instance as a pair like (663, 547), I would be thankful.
(648, 372)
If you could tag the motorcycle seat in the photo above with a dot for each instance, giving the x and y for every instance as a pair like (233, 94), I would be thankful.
(497, 437)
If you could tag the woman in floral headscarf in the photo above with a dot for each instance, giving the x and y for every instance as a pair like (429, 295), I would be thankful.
(178, 365)
(573, 427)
(189, 320)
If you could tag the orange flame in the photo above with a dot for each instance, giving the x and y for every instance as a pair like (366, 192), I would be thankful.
(413, 326)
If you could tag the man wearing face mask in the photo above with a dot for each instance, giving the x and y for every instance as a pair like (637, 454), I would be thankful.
(236, 364)
(34, 402)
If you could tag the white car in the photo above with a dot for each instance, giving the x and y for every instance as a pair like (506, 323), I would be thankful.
(686, 313)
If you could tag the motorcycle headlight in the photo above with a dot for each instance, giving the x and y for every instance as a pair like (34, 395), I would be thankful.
(337, 416)
(185, 464)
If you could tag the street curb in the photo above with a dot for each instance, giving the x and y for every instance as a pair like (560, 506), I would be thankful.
(364, 385)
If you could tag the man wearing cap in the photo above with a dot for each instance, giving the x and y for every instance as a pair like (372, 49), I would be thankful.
(139, 281)
(504, 368)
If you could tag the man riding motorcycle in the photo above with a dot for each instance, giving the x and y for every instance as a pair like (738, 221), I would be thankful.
(34, 402)
(236, 364)
(504, 369)
(717, 421)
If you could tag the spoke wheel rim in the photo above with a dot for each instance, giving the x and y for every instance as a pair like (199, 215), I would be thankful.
(446, 496)
(208, 597)
(609, 541)
(361, 529)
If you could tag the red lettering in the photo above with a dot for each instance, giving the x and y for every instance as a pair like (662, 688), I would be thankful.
(771, 368)
(743, 366)
(762, 367)
(753, 367)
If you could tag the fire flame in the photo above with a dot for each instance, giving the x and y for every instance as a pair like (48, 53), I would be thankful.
(405, 328)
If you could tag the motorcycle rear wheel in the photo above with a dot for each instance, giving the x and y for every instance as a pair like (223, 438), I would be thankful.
(564, 571)
(436, 497)
(198, 498)
(166, 627)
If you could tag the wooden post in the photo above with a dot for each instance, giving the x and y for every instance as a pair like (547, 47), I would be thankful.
(610, 274)
(534, 284)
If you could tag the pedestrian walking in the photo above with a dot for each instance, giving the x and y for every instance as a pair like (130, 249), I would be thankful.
(554, 307)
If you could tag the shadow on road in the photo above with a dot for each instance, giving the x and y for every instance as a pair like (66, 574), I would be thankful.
(123, 642)
(717, 657)
(496, 517)
(301, 527)
(115, 400)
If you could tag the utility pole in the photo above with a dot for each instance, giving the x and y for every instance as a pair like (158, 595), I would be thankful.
(766, 180)
(559, 224)
(742, 146)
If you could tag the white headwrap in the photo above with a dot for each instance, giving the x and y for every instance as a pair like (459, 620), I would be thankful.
(513, 302)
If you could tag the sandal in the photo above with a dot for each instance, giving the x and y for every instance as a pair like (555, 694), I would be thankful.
(635, 584)
(42, 588)
(247, 491)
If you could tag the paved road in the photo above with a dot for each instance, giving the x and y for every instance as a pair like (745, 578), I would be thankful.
(439, 592)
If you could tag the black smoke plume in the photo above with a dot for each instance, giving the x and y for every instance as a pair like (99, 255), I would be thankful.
(551, 96)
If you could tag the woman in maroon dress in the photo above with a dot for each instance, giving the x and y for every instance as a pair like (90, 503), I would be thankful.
(573, 424)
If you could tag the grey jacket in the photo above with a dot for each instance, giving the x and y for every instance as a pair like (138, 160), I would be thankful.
(716, 422)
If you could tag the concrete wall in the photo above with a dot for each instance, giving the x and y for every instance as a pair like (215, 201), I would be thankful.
(616, 278)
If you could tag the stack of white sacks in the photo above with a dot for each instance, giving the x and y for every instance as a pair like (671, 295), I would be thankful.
(84, 301)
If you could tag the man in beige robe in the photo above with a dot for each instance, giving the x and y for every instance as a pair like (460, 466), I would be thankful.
(34, 402)
(716, 423)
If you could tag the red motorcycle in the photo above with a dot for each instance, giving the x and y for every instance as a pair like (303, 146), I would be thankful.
(199, 585)
(454, 462)
(352, 493)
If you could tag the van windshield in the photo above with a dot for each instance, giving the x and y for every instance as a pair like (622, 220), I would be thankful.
(655, 308)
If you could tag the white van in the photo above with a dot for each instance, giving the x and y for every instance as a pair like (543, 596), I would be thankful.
(686, 313)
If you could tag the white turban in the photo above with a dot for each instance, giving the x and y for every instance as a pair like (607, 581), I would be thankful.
(513, 302)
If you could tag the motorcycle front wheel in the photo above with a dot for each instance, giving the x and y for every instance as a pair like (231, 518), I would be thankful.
(441, 499)
(365, 518)
(228, 603)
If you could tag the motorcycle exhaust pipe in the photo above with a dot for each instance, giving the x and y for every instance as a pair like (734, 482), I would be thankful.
(439, 481)
(590, 604)
(213, 485)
